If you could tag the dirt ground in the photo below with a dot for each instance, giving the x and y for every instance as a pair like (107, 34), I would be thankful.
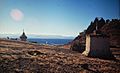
(25, 57)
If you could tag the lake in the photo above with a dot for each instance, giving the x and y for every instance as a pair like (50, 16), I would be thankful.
(50, 41)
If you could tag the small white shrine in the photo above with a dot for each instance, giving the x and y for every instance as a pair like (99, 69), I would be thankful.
(97, 45)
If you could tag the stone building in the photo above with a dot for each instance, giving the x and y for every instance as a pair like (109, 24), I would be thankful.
(23, 37)
(97, 45)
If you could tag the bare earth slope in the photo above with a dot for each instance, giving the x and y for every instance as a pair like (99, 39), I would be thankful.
(22, 57)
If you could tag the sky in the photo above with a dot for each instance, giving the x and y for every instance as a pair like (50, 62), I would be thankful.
(53, 17)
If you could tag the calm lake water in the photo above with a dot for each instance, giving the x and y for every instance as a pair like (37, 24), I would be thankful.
(50, 41)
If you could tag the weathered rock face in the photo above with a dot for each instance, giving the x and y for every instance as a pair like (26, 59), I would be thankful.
(112, 29)
(109, 27)
(78, 44)
(100, 23)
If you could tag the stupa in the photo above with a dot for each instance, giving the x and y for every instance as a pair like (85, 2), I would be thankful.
(23, 37)
(97, 45)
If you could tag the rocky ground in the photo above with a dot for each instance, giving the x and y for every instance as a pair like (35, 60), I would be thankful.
(22, 57)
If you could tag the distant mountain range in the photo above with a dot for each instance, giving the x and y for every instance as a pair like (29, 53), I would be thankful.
(36, 36)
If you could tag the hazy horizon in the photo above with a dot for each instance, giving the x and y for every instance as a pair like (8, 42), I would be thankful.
(53, 17)
(37, 36)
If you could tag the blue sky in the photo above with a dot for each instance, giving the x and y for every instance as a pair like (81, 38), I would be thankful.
(53, 17)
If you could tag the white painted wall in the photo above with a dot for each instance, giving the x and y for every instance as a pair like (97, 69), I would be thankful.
(96, 46)
(87, 45)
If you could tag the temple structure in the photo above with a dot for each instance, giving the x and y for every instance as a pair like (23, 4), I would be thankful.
(97, 45)
(23, 37)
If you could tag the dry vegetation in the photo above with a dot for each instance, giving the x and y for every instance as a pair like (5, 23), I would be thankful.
(22, 57)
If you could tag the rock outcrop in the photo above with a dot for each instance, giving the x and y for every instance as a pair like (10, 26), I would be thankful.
(108, 27)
